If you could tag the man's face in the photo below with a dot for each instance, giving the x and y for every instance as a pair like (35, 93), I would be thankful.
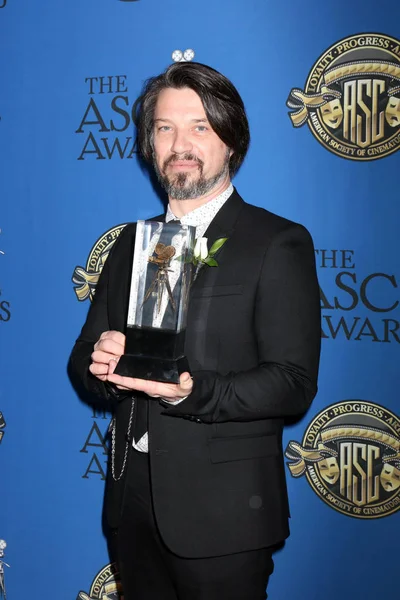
(332, 113)
(329, 470)
(392, 112)
(189, 158)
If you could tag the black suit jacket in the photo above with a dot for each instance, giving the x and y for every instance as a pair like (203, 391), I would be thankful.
(253, 342)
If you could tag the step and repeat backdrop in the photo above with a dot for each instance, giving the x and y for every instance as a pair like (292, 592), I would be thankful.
(322, 89)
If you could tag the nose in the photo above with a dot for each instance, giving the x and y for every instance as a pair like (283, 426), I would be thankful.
(181, 143)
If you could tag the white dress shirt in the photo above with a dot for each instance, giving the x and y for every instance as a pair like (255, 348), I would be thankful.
(200, 218)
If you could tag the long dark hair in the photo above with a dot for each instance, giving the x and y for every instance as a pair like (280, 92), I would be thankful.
(222, 104)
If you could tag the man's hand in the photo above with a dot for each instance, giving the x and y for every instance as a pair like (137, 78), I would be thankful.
(107, 350)
(155, 389)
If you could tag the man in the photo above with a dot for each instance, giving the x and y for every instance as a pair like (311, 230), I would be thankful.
(199, 495)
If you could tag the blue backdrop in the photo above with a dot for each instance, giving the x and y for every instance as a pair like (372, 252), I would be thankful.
(70, 73)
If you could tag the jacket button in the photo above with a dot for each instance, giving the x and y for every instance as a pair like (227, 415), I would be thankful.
(255, 502)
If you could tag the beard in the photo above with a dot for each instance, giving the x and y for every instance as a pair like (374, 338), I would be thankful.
(185, 186)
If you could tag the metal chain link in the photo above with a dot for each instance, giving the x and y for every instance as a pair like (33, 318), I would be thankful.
(128, 442)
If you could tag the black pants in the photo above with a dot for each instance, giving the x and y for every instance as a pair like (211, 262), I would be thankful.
(149, 571)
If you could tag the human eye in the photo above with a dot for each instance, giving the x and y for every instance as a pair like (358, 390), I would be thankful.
(201, 128)
(164, 128)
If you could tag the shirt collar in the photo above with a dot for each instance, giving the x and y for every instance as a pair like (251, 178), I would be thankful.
(203, 215)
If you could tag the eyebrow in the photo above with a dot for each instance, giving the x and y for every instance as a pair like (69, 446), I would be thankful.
(192, 120)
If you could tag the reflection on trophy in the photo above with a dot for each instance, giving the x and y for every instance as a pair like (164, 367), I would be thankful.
(158, 302)
(3, 546)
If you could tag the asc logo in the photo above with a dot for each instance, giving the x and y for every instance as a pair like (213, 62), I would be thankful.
(106, 586)
(351, 100)
(350, 455)
(86, 279)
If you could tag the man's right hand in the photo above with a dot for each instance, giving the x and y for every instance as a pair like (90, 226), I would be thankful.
(109, 347)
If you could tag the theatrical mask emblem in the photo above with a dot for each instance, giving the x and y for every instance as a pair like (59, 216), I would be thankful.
(351, 99)
(106, 586)
(392, 112)
(350, 455)
(390, 478)
(86, 279)
(329, 469)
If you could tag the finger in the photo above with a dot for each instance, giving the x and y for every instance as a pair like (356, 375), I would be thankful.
(113, 335)
(157, 389)
(153, 389)
(98, 369)
(102, 357)
(112, 364)
(186, 383)
(109, 346)
(121, 381)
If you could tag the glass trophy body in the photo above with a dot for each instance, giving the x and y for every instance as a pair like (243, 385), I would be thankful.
(158, 302)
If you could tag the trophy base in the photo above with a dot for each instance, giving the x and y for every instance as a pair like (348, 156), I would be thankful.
(153, 354)
(154, 369)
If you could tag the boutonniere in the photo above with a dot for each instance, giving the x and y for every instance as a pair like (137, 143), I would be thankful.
(204, 256)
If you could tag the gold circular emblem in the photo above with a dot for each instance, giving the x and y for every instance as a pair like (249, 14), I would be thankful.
(86, 279)
(350, 454)
(351, 99)
(106, 585)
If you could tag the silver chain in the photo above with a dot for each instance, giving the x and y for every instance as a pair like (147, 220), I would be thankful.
(128, 442)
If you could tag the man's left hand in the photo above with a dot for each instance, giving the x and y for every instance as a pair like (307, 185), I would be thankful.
(170, 392)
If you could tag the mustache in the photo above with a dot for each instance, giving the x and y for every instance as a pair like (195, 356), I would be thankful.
(179, 157)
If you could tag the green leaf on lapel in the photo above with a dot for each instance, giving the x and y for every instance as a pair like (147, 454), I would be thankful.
(211, 262)
(216, 246)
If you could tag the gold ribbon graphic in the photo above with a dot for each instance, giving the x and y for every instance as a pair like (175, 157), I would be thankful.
(394, 90)
(362, 67)
(86, 282)
(303, 103)
(349, 432)
(301, 456)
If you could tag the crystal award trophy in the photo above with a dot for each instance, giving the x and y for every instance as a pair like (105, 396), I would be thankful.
(158, 302)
